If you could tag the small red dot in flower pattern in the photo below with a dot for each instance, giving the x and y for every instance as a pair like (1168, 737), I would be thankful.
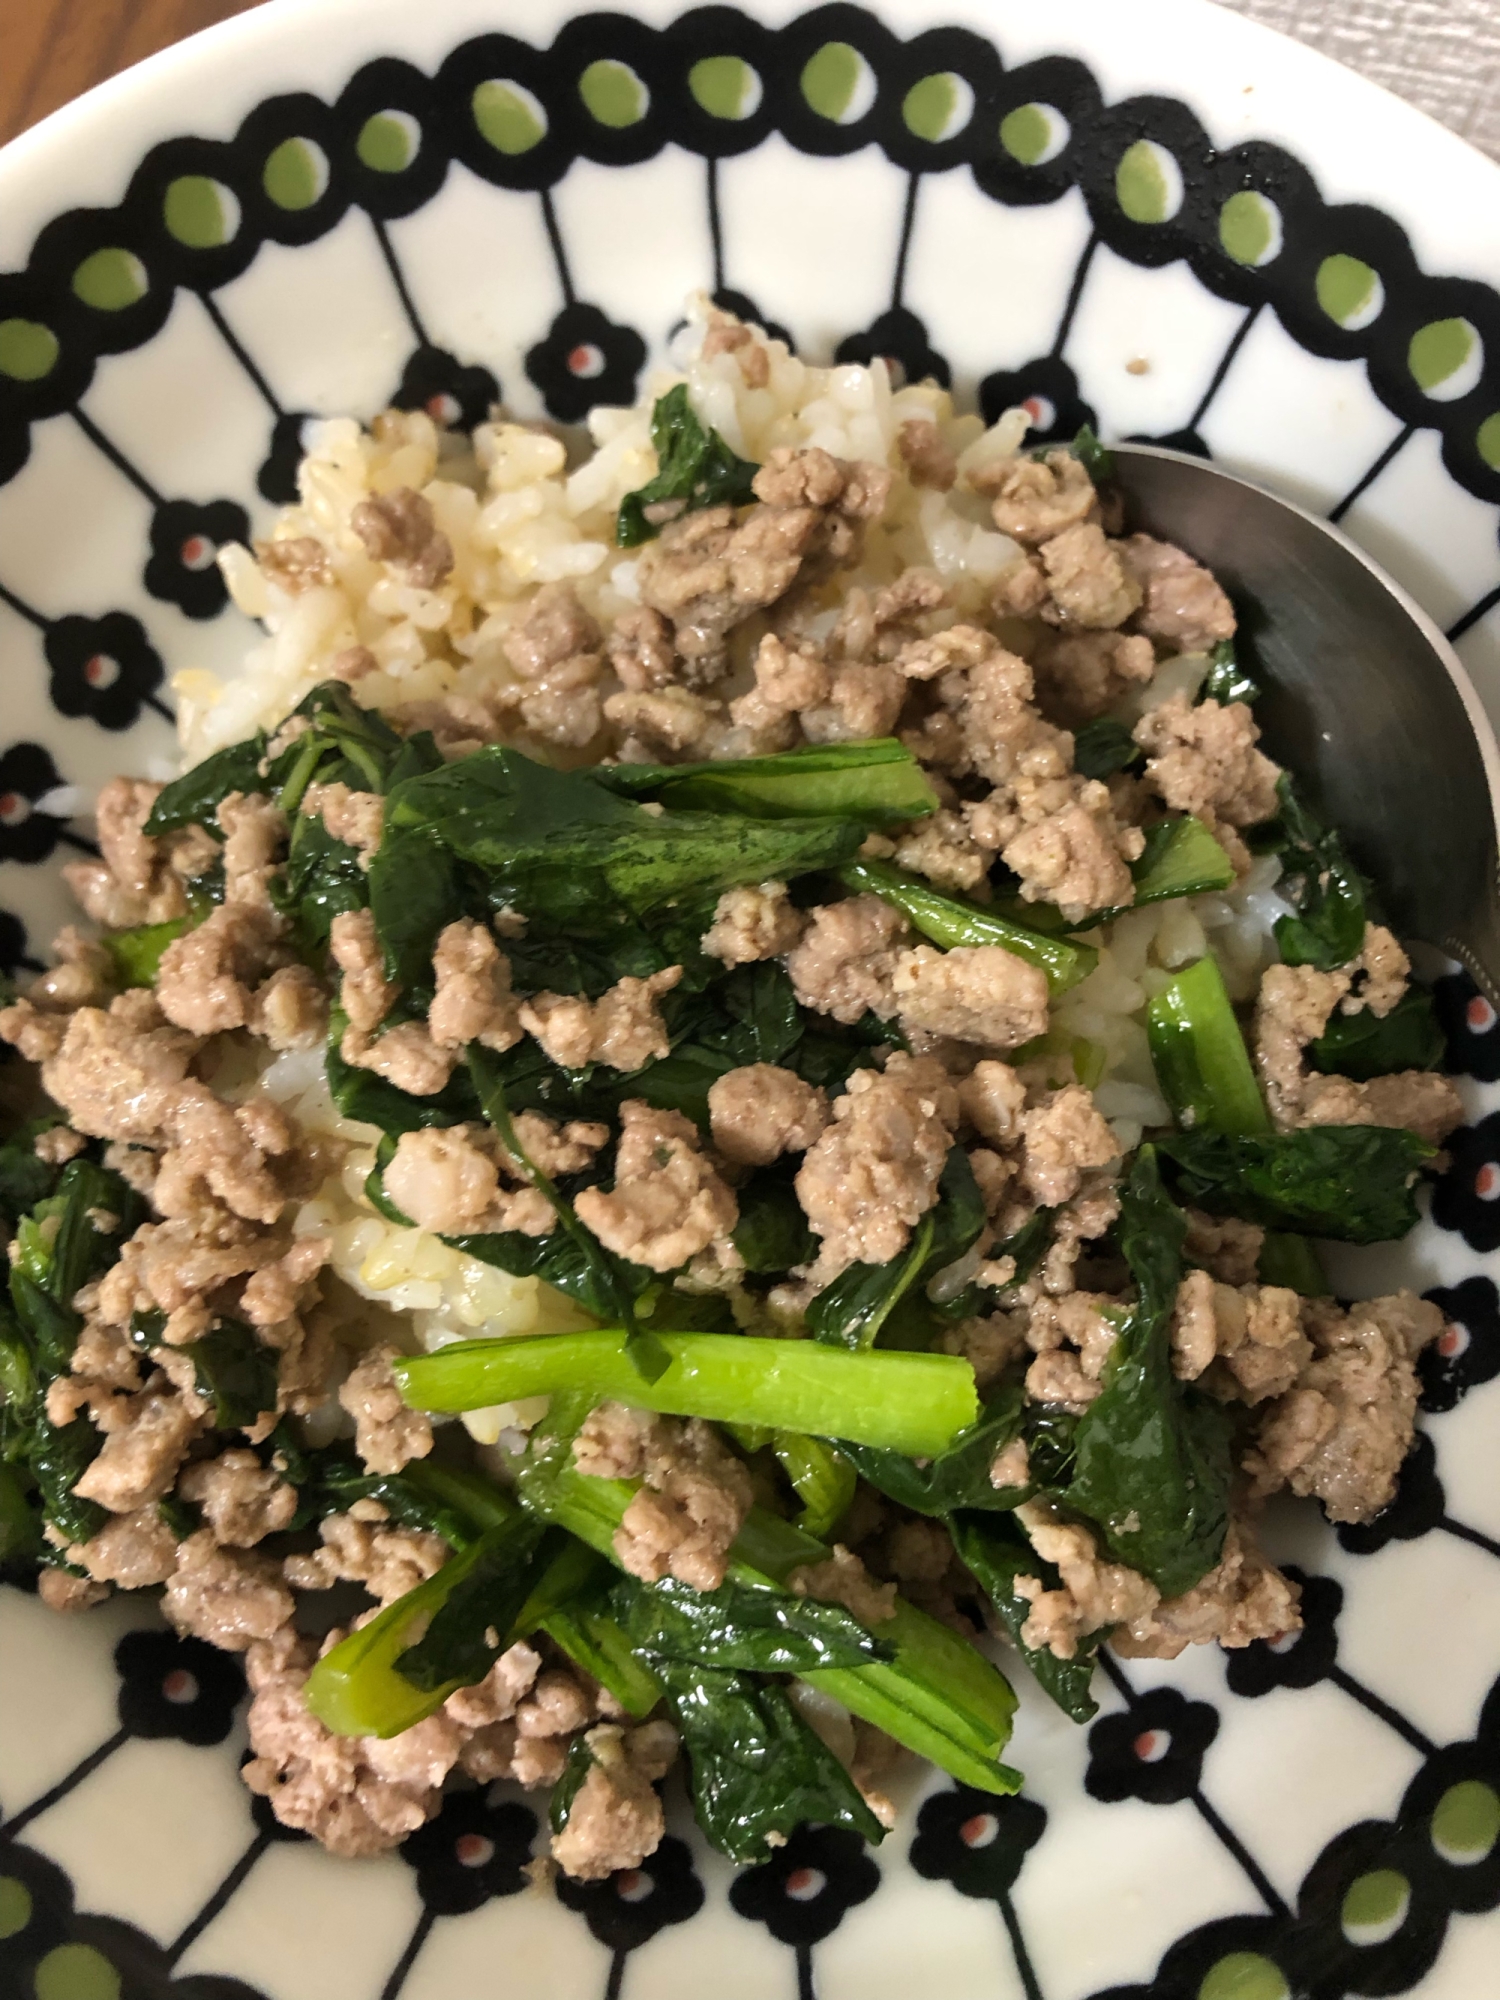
(1041, 412)
(1152, 1745)
(180, 1687)
(586, 361)
(1453, 1340)
(443, 409)
(803, 1884)
(473, 1850)
(197, 552)
(101, 671)
(979, 1831)
(1479, 1015)
(1487, 1182)
(633, 1885)
(13, 809)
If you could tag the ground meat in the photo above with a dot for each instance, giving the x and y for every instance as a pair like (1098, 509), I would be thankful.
(206, 977)
(496, 1697)
(1242, 1599)
(472, 1000)
(753, 922)
(294, 563)
(61, 1591)
(993, 1097)
(1064, 1136)
(668, 1202)
(1093, 1594)
(845, 962)
(1227, 1248)
(1081, 675)
(222, 1153)
(405, 1055)
(138, 1461)
(1182, 606)
(979, 993)
(1010, 1469)
(1254, 1330)
(1342, 1432)
(616, 1819)
(387, 1561)
(640, 650)
(1035, 499)
(131, 1550)
(116, 1076)
(1073, 857)
(943, 848)
(623, 1028)
(1202, 760)
(1073, 1338)
(255, 830)
(446, 1178)
(555, 1149)
(863, 701)
(726, 335)
(242, 1500)
(1416, 1100)
(989, 1345)
(1088, 582)
(225, 1596)
(557, 653)
(843, 1579)
(356, 818)
(387, 1434)
(289, 1010)
(365, 994)
(788, 683)
(873, 1174)
(137, 879)
(662, 724)
(58, 1144)
(760, 1112)
(279, 1288)
(399, 528)
(83, 975)
(691, 1504)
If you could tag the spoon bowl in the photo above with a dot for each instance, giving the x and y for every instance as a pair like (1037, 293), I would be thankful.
(1364, 697)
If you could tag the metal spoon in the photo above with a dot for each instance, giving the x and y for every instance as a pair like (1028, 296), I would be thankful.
(1364, 697)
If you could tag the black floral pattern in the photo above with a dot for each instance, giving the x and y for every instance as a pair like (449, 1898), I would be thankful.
(803, 1892)
(1470, 1023)
(456, 396)
(743, 307)
(1048, 390)
(1297, 1659)
(470, 1852)
(585, 360)
(1467, 1351)
(1368, 1920)
(105, 668)
(898, 338)
(1416, 1510)
(14, 956)
(27, 773)
(1467, 1197)
(177, 1687)
(1153, 1751)
(276, 480)
(628, 1908)
(976, 1841)
(186, 536)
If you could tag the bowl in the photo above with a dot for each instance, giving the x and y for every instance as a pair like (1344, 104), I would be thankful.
(1166, 223)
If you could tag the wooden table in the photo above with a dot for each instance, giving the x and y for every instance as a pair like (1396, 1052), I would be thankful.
(1443, 55)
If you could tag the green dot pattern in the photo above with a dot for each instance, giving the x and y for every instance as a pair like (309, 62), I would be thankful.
(195, 213)
(15, 1906)
(1244, 1975)
(28, 350)
(930, 107)
(830, 79)
(1438, 351)
(1377, 1900)
(293, 176)
(723, 86)
(76, 1972)
(384, 144)
(1140, 184)
(1345, 287)
(1466, 1822)
(1487, 441)
(110, 280)
(1026, 133)
(1247, 227)
(612, 94)
(507, 118)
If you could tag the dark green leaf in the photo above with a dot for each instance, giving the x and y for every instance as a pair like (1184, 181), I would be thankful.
(1354, 1183)
(20, 1523)
(1180, 858)
(1226, 680)
(738, 1626)
(1096, 459)
(878, 782)
(961, 1477)
(695, 468)
(852, 1311)
(995, 1552)
(772, 1233)
(361, 1094)
(414, 892)
(471, 1628)
(1327, 889)
(236, 1368)
(194, 798)
(24, 1179)
(1101, 748)
(1363, 1045)
(58, 1458)
(580, 1761)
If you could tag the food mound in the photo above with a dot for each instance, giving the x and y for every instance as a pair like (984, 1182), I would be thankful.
(663, 1111)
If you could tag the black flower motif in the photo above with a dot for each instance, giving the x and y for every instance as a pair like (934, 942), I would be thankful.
(1297, 1659)
(1048, 390)
(976, 1841)
(585, 360)
(1470, 1024)
(1153, 1751)
(186, 536)
(898, 338)
(628, 1908)
(1467, 1196)
(37, 1899)
(470, 1852)
(1453, 1803)
(456, 397)
(1232, 1954)
(14, 957)
(27, 773)
(744, 308)
(177, 1687)
(1368, 1917)
(1467, 1351)
(802, 1893)
(104, 668)
(1415, 1511)
(277, 477)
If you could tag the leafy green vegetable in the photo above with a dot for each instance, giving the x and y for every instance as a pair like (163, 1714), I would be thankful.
(822, 1479)
(236, 1368)
(1201, 1061)
(57, 1458)
(772, 1233)
(1320, 879)
(1291, 1261)
(878, 782)
(1180, 858)
(1353, 1183)
(1363, 1045)
(472, 1626)
(995, 1552)
(958, 1477)
(595, 1642)
(194, 799)
(24, 1179)
(20, 1529)
(361, 1094)
(1103, 747)
(1226, 680)
(949, 921)
(1096, 459)
(742, 1627)
(1152, 1464)
(695, 468)
(137, 952)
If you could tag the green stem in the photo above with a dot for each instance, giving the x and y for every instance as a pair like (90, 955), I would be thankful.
(879, 782)
(950, 922)
(1201, 1060)
(914, 1403)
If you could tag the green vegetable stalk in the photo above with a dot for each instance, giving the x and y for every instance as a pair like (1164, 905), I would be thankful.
(950, 922)
(878, 782)
(1202, 1064)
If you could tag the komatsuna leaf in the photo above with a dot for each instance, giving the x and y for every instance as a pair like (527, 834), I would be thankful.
(472, 1627)
(1327, 888)
(1226, 680)
(1103, 747)
(695, 468)
(995, 1553)
(860, 1302)
(878, 782)
(961, 1476)
(1351, 1183)
(741, 1627)
(1366, 1045)
(772, 1233)
(194, 798)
